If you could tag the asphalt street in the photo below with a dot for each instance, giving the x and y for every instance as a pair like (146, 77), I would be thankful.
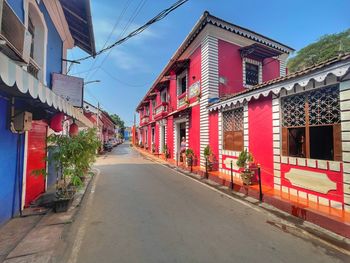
(140, 211)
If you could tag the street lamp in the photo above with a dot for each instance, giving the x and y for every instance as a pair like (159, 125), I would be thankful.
(91, 81)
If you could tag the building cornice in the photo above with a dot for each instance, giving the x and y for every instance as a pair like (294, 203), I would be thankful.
(58, 18)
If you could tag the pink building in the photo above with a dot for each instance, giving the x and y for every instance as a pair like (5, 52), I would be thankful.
(227, 87)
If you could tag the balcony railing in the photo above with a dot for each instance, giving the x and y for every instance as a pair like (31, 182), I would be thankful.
(33, 68)
(161, 110)
(12, 31)
(182, 100)
(144, 120)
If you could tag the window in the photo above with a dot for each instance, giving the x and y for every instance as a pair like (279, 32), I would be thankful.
(147, 111)
(311, 125)
(182, 83)
(153, 105)
(251, 74)
(233, 129)
(163, 96)
(31, 30)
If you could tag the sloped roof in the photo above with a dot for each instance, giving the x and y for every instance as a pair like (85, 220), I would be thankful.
(78, 16)
(206, 19)
(296, 74)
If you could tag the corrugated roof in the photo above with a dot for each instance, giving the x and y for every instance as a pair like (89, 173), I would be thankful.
(78, 16)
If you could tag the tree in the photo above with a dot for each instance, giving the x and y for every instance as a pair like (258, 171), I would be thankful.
(119, 122)
(326, 47)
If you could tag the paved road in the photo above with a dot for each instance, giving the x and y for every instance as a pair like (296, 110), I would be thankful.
(139, 211)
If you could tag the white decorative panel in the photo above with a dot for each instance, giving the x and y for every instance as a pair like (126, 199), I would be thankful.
(314, 181)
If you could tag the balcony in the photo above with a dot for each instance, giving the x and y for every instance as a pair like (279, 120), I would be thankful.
(144, 120)
(161, 111)
(12, 33)
(182, 100)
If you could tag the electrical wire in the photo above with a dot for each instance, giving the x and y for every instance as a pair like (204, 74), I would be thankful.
(124, 83)
(126, 27)
(139, 30)
(117, 22)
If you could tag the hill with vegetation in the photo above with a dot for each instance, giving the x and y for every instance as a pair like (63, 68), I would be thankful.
(326, 47)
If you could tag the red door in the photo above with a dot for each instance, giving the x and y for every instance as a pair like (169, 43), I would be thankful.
(36, 154)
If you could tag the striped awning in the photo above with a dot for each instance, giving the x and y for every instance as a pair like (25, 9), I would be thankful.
(12, 74)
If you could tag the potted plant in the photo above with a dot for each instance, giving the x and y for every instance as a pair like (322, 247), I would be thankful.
(199, 95)
(72, 158)
(208, 155)
(189, 156)
(187, 101)
(243, 162)
(153, 148)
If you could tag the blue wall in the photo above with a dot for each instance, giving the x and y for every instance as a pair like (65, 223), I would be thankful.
(54, 47)
(17, 6)
(9, 182)
(54, 41)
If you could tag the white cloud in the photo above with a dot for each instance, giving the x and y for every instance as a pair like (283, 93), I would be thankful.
(126, 59)
(103, 28)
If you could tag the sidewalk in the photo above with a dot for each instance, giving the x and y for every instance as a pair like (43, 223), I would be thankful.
(34, 237)
(332, 219)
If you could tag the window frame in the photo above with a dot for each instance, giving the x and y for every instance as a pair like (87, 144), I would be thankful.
(163, 93)
(306, 147)
(260, 70)
(179, 79)
(237, 145)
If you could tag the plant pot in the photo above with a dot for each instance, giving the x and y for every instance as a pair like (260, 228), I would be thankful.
(189, 161)
(62, 205)
(246, 177)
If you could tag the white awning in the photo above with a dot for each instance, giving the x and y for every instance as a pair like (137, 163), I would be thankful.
(339, 69)
(12, 74)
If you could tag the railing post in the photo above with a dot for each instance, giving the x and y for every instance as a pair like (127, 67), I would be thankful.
(231, 183)
(191, 164)
(206, 168)
(260, 189)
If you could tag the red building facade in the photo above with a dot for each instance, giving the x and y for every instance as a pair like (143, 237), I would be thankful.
(226, 87)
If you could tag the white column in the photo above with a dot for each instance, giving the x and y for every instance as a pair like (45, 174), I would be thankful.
(344, 95)
(210, 87)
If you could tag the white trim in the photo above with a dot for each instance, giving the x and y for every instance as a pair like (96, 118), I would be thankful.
(254, 62)
(210, 87)
(42, 62)
(24, 174)
(344, 92)
(58, 18)
(336, 70)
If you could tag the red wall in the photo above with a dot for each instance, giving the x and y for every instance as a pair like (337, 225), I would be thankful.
(194, 71)
(172, 92)
(194, 142)
(36, 154)
(170, 136)
(230, 67)
(271, 69)
(260, 136)
(337, 177)
(214, 134)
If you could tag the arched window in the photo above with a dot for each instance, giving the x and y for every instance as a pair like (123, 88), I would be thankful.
(36, 26)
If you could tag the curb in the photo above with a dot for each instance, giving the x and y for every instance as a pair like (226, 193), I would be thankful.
(40, 243)
(318, 226)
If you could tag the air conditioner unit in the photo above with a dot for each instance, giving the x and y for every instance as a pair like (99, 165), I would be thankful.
(23, 121)
(27, 43)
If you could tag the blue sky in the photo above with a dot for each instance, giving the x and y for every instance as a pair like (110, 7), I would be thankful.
(128, 71)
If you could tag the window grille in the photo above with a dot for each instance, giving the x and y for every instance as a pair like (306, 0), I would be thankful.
(233, 129)
(311, 124)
